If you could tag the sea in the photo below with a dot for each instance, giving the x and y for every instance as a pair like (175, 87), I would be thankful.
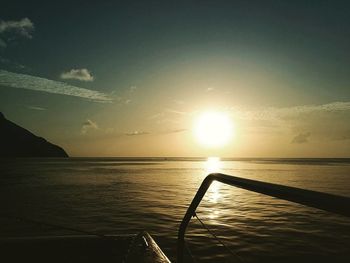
(42, 197)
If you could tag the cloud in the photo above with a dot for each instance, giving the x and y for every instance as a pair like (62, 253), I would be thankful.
(329, 107)
(210, 89)
(124, 97)
(121, 100)
(24, 81)
(301, 138)
(136, 133)
(36, 108)
(82, 74)
(9, 30)
(173, 131)
(23, 27)
(318, 120)
(272, 113)
(177, 112)
(88, 125)
(156, 116)
(169, 115)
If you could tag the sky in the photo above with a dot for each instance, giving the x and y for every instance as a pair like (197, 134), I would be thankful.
(131, 78)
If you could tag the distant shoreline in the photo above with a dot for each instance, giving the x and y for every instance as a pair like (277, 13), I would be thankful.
(194, 159)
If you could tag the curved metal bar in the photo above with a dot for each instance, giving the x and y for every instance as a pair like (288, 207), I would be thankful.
(327, 202)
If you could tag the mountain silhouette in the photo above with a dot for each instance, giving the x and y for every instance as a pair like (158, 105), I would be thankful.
(16, 141)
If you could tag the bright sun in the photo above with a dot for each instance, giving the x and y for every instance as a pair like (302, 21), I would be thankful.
(213, 129)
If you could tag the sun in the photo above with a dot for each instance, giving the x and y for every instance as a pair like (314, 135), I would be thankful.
(213, 129)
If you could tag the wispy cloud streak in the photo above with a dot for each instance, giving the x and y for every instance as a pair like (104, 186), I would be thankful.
(177, 112)
(36, 108)
(272, 113)
(173, 131)
(87, 125)
(136, 133)
(24, 81)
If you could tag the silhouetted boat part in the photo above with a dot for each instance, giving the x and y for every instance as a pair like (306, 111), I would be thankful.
(327, 202)
(142, 247)
(82, 248)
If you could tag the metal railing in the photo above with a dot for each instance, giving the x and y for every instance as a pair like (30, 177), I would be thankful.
(327, 202)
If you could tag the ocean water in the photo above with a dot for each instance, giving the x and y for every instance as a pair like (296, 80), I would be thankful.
(122, 196)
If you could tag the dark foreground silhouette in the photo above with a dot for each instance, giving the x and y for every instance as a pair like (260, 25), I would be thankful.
(16, 141)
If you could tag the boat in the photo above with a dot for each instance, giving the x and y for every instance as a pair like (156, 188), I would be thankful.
(141, 247)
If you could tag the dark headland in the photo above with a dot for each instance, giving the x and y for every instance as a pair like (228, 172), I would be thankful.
(16, 141)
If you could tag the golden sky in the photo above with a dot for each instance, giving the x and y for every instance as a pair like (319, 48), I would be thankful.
(132, 79)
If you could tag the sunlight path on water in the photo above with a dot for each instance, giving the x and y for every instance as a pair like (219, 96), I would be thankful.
(112, 196)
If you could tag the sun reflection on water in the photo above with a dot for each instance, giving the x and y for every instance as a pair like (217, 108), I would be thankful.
(214, 192)
(214, 165)
(214, 214)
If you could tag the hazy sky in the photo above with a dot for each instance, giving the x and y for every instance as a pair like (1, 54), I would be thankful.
(112, 79)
